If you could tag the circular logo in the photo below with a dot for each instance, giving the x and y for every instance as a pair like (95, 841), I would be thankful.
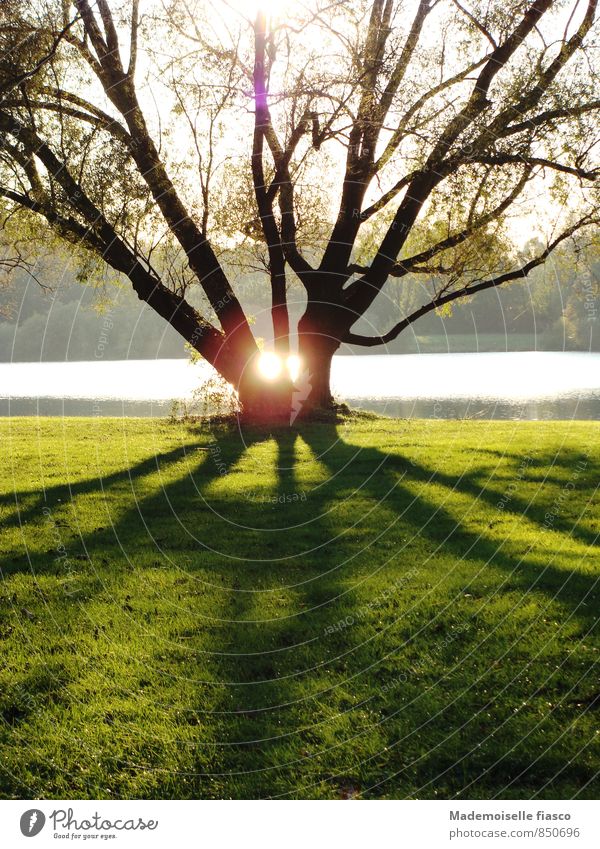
(32, 822)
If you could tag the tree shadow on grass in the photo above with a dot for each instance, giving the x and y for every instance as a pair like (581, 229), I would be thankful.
(27, 505)
(312, 712)
(322, 624)
(52, 617)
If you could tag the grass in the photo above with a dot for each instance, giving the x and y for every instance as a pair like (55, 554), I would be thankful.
(335, 612)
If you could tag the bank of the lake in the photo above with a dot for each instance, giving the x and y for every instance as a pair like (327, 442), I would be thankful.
(381, 609)
(497, 385)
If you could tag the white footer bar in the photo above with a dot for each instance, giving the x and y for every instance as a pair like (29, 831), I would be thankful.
(301, 824)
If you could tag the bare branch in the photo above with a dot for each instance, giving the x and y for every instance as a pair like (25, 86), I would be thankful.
(133, 41)
(468, 290)
(262, 126)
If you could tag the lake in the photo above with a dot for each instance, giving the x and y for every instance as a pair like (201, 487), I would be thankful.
(528, 385)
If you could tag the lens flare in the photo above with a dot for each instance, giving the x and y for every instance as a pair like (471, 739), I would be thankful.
(293, 366)
(274, 9)
(269, 365)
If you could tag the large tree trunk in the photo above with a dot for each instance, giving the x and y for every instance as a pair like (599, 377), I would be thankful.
(317, 343)
(282, 401)
(264, 401)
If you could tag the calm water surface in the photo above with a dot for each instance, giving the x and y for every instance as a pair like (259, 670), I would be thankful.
(530, 385)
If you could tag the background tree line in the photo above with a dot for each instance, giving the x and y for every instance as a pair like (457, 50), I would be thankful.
(556, 308)
(369, 154)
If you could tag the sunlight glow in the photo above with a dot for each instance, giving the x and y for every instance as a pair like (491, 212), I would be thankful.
(293, 366)
(269, 365)
(274, 9)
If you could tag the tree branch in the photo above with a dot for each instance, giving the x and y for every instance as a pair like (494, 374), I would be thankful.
(135, 4)
(400, 130)
(415, 262)
(482, 29)
(262, 122)
(20, 78)
(468, 290)
(546, 118)
(523, 159)
(363, 292)
(531, 98)
(203, 261)
(100, 237)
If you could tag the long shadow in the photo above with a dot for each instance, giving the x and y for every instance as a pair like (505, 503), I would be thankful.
(443, 528)
(322, 666)
(548, 514)
(316, 668)
(63, 493)
(151, 527)
(281, 666)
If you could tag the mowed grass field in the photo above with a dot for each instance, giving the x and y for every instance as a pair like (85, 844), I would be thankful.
(376, 609)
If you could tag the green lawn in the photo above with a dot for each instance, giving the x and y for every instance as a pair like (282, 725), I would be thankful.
(380, 608)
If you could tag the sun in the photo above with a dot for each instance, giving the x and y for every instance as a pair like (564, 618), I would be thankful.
(273, 9)
(270, 365)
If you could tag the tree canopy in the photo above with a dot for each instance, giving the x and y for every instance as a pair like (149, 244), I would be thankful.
(330, 146)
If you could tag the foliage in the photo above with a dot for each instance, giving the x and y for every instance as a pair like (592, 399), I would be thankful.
(556, 308)
(213, 399)
(338, 148)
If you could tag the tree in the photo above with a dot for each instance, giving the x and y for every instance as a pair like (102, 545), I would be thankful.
(337, 147)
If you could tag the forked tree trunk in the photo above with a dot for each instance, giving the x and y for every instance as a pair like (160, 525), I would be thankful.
(264, 401)
(282, 401)
(313, 387)
(317, 343)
